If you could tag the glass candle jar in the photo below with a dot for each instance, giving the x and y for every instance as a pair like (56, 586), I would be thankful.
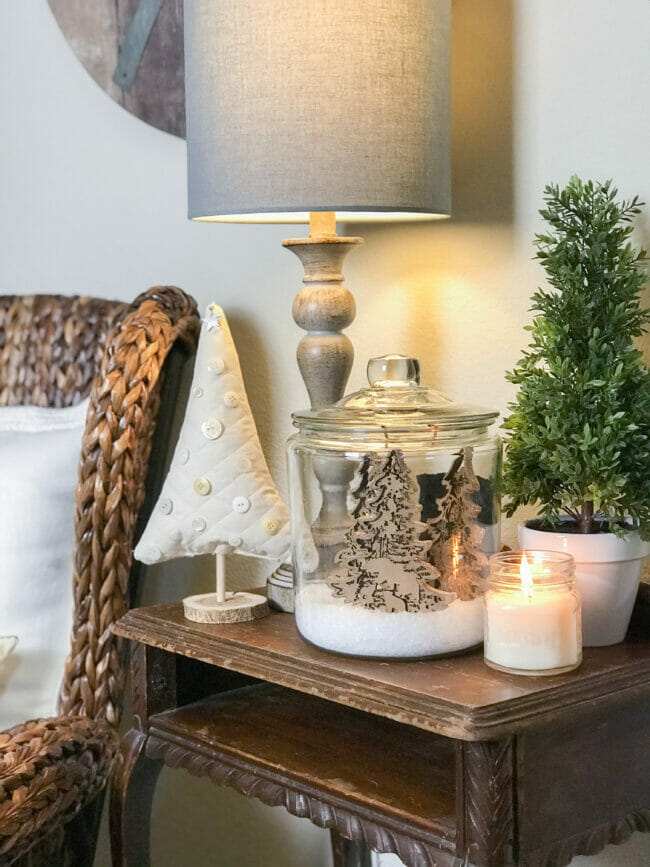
(532, 613)
(394, 513)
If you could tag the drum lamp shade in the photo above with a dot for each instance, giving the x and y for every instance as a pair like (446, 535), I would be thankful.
(322, 105)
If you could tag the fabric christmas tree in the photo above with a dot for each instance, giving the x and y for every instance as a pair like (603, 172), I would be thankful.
(218, 496)
(455, 536)
(383, 565)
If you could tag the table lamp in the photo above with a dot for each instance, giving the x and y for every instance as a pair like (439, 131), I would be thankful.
(297, 112)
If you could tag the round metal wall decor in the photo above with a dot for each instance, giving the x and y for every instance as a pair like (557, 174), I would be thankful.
(134, 51)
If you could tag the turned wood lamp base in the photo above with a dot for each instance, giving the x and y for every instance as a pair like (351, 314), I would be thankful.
(279, 588)
(323, 308)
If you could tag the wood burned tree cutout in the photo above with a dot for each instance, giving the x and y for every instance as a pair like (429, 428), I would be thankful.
(454, 534)
(383, 566)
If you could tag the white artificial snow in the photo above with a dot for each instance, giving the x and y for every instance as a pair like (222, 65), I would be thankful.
(336, 625)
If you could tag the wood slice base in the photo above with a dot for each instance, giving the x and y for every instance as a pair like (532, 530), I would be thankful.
(238, 607)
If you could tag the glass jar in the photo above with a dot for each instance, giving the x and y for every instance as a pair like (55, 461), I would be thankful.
(532, 613)
(394, 494)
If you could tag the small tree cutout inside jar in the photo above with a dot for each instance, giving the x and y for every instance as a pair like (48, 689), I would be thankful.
(394, 512)
(532, 613)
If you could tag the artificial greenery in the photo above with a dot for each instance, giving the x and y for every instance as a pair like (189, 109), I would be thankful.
(578, 436)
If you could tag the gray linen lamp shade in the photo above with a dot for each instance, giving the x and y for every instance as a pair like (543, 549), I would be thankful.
(320, 105)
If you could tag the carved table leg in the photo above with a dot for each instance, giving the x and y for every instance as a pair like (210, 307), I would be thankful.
(349, 853)
(486, 793)
(131, 796)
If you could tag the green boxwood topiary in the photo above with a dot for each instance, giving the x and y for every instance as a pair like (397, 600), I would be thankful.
(578, 433)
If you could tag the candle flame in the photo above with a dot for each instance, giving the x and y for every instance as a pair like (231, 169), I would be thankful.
(526, 575)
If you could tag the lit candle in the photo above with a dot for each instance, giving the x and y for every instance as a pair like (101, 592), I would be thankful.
(532, 614)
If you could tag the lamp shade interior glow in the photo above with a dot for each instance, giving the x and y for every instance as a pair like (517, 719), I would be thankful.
(303, 217)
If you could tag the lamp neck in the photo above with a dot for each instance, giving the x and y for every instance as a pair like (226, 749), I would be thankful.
(322, 224)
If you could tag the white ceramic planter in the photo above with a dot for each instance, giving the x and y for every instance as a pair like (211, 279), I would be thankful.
(608, 570)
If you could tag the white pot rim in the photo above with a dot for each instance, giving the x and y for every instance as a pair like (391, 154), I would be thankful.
(588, 547)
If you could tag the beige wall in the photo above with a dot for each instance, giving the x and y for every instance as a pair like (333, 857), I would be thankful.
(93, 200)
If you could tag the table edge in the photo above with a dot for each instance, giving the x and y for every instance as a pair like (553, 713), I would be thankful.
(436, 715)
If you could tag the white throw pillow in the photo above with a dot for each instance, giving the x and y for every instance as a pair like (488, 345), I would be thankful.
(39, 456)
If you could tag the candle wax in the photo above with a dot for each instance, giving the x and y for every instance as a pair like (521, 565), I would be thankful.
(533, 630)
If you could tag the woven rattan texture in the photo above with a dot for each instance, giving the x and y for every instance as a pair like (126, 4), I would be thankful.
(51, 347)
(48, 770)
(55, 351)
(112, 473)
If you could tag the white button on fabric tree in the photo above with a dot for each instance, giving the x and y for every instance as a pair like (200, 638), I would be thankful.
(218, 497)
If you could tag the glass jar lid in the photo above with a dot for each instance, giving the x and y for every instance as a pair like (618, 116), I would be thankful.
(395, 402)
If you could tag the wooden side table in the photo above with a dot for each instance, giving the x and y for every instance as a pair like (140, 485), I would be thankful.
(443, 762)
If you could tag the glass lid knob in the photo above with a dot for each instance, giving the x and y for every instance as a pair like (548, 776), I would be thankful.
(393, 370)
